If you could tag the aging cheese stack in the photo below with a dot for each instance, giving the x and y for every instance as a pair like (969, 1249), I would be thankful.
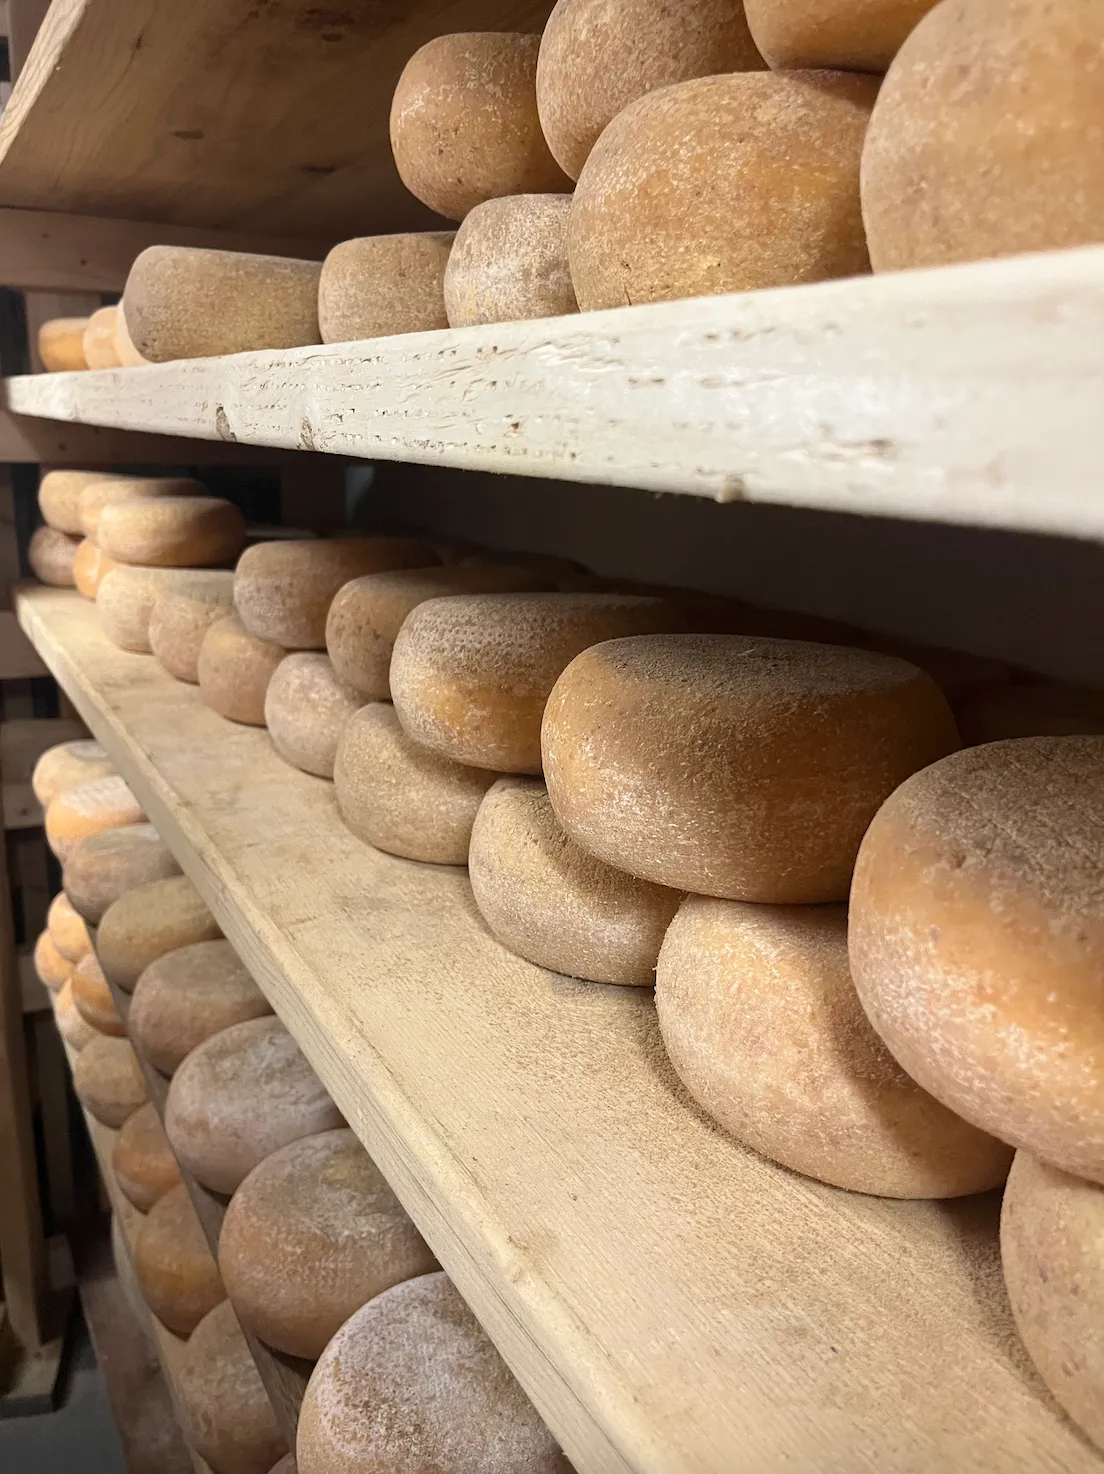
(90, 808)
(143, 1160)
(108, 1080)
(179, 1279)
(306, 709)
(101, 867)
(181, 617)
(52, 556)
(148, 921)
(233, 669)
(68, 766)
(225, 1412)
(188, 995)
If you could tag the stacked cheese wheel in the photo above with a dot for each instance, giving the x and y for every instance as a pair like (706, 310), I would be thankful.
(100, 341)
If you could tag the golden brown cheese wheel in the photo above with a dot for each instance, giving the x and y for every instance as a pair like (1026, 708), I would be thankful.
(233, 670)
(183, 614)
(464, 124)
(225, 1412)
(68, 765)
(125, 600)
(383, 284)
(67, 929)
(108, 1081)
(377, 1402)
(92, 997)
(283, 590)
(1036, 709)
(127, 354)
(764, 1028)
(977, 940)
(90, 808)
(510, 262)
(51, 555)
(142, 1159)
(306, 708)
(1052, 1226)
(98, 342)
(59, 497)
(240, 1096)
(52, 968)
(172, 532)
(101, 867)
(189, 302)
(550, 902)
(597, 56)
(188, 995)
(179, 1278)
(312, 1234)
(736, 767)
(73, 1027)
(724, 184)
(148, 921)
(61, 344)
(854, 35)
(112, 489)
(979, 145)
(90, 568)
(470, 675)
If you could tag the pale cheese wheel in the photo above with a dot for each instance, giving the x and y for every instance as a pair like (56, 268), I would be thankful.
(98, 342)
(510, 262)
(108, 1080)
(59, 497)
(52, 969)
(187, 996)
(99, 869)
(378, 285)
(90, 808)
(856, 37)
(233, 669)
(51, 556)
(724, 184)
(240, 1096)
(61, 344)
(143, 1160)
(550, 902)
(178, 1276)
(148, 921)
(1035, 709)
(764, 1028)
(73, 1027)
(306, 709)
(125, 600)
(92, 997)
(312, 1234)
(125, 351)
(67, 929)
(68, 765)
(112, 489)
(90, 568)
(735, 767)
(470, 675)
(411, 1383)
(464, 124)
(190, 302)
(283, 590)
(225, 1412)
(977, 940)
(172, 532)
(1052, 1227)
(182, 615)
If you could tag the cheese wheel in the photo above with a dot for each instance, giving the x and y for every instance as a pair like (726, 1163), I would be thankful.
(61, 344)
(283, 590)
(977, 940)
(979, 143)
(90, 568)
(764, 1028)
(724, 184)
(470, 675)
(597, 56)
(90, 808)
(113, 489)
(179, 1279)
(51, 555)
(148, 921)
(411, 1383)
(92, 997)
(306, 708)
(127, 354)
(59, 497)
(108, 1081)
(67, 929)
(240, 1096)
(398, 796)
(172, 532)
(383, 284)
(225, 1412)
(188, 995)
(98, 342)
(285, 1466)
(73, 1027)
(142, 1159)
(1052, 1226)
(464, 124)
(99, 869)
(312, 1234)
(189, 302)
(183, 614)
(125, 600)
(862, 37)
(68, 765)
(51, 968)
(732, 766)
(1037, 709)
(510, 262)
(552, 903)
(233, 670)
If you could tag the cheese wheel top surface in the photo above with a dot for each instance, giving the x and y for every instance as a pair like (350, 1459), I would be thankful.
(188, 995)
(108, 1081)
(172, 532)
(383, 284)
(73, 1027)
(67, 928)
(306, 708)
(233, 669)
(89, 808)
(148, 921)
(90, 568)
(61, 344)
(179, 1279)
(181, 616)
(224, 1410)
(52, 968)
(111, 489)
(143, 1160)
(92, 997)
(862, 37)
(59, 497)
(125, 600)
(509, 262)
(98, 342)
(68, 766)
(101, 867)
(51, 555)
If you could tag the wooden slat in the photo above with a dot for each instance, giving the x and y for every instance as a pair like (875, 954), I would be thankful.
(46, 442)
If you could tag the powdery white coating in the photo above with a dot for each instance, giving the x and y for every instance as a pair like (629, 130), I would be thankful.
(233, 670)
(172, 532)
(411, 1384)
(108, 1081)
(179, 1279)
(51, 555)
(399, 796)
(148, 921)
(72, 1026)
(854, 35)
(67, 929)
(52, 968)
(90, 568)
(68, 766)
(101, 867)
(92, 997)
(181, 616)
(510, 262)
(733, 766)
(312, 1234)
(59, 497)
(125, 600)
(98, 342)
(382, 284)
(224, 1410)
(61, 344)
(239, 1097)
(143, 1160)
(550, 902)
(89, 808)
(764, 1028)
(1052, 1227)
(1039, 709)
(93, 498)
(723, 184)
(188, 995)
(977, 940)
(306, 709)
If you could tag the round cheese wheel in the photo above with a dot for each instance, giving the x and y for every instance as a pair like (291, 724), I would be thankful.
(128, 355)
(112, 489)
(99, 869)
(464, 124)
(148, 921)
(383, 284)
(977, 940)
(764, 1028)
(1052, 1226)
(125, 600)
(67, 929)
(187, 996)
(597, 56)
(51, 555)
(978, 145)
(92, 997)
(172, 532)
(285, 1466)
(224, 1410)
(179, 1279)
(283, 590)
(59, 498)
(98, 342)
(68, 765)
(90, 568)
(410, 1383)
(142, 1159)
(73, 1027)
(90, 808)
(470, 675)
(862, 37)
(108, 1081)
(124, 1273)
(510, 262)
(400, 797)
(181, 617)
(312, 1234)
(724, 184)
(552, 903)
(189, 302)
(1037, 709)
(306, 708)
(240, 1096)
(233, 670)
(732, 766)
(51, 967)
(61, 344)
